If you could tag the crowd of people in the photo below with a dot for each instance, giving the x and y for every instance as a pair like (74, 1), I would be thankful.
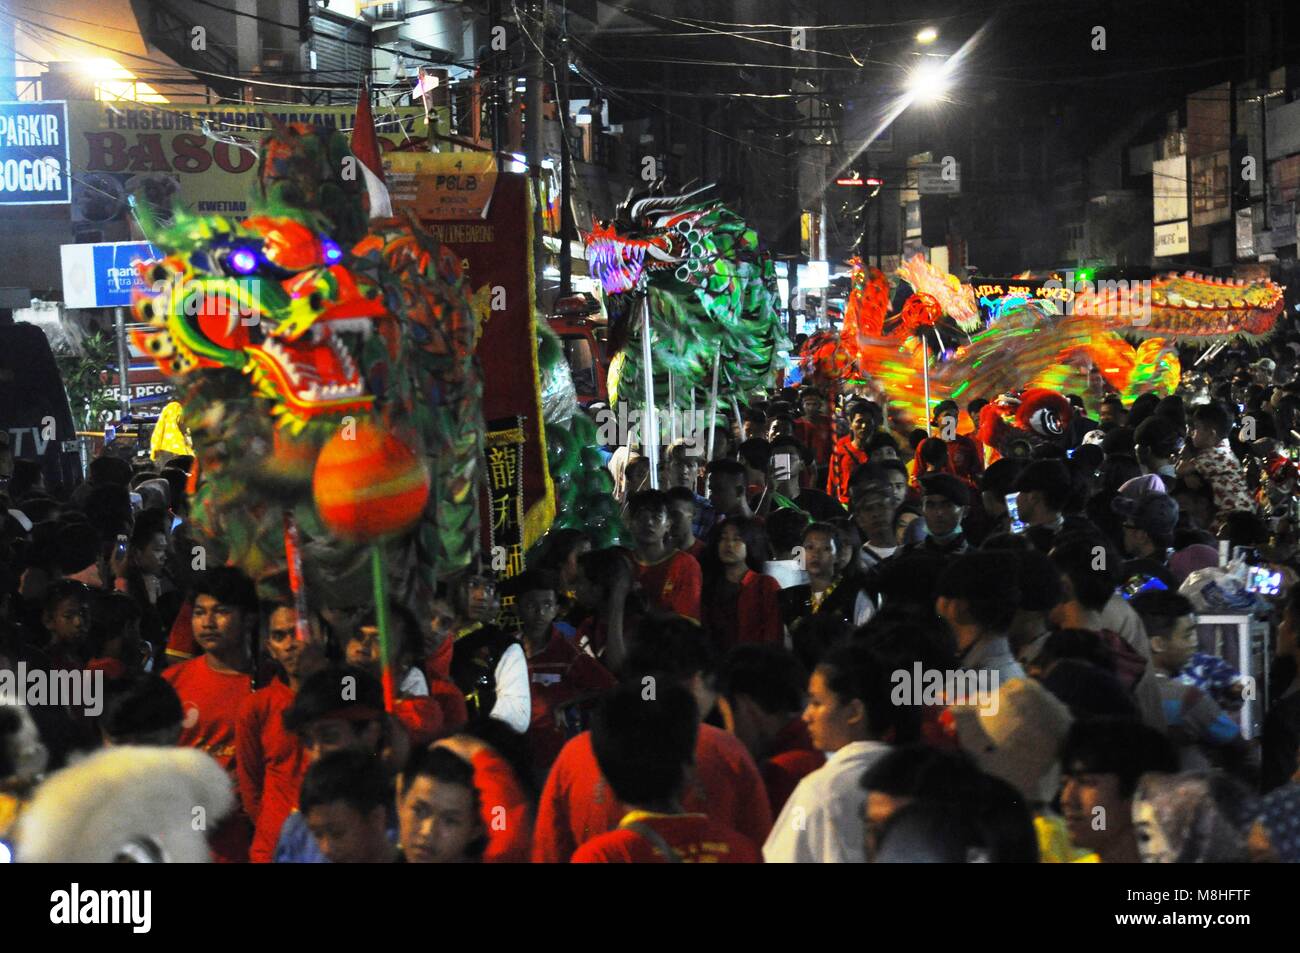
(843, 637)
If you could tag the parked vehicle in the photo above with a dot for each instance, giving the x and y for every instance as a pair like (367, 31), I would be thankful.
(584, 343)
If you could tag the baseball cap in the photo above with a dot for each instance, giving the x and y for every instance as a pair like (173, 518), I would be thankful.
(1139, 487)
(1017, 737)
(947, 486)
(1153, 513)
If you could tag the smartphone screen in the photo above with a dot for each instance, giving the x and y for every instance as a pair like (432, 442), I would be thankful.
(1263, 581)
(782, 464)
(1013, 510)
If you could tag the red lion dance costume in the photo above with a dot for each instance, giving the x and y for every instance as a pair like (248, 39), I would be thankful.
(1013, 426)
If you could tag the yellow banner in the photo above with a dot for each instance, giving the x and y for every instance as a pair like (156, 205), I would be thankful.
(200, 157)
(441, 185)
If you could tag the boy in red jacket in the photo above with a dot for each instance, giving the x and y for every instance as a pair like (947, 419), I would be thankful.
(577, 803)
(851, 450)
(669, 578)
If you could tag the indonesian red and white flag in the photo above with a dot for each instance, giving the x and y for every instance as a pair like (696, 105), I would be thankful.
(365, 146)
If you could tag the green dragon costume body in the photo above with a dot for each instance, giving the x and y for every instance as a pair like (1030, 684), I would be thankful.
(303, 318)
(711, 295)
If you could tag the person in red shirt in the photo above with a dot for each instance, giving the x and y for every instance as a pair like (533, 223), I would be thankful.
(645, 748)
(269, 759)
(815, 429)
(439, 649)
(850, 450)
(669, 578)
(577, 803)
(338, 709)
(743, 604)
(563, 680)
(762, 702)
(213, 686)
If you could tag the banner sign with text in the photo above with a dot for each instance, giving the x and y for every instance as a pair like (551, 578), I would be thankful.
(997, 296)
(34, 153)
(103, 275)
(203, 158)
(504, 465)
(496, 253)
(442, 185)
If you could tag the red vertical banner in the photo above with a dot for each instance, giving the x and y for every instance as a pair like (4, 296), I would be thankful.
(496, 251)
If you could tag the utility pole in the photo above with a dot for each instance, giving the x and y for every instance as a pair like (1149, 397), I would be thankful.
(494, 67)
(566, 166)
(535, 72)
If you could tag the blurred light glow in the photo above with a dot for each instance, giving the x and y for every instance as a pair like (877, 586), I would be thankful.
(927, 36)
(243, 261)
(930, 82)
(114, 82)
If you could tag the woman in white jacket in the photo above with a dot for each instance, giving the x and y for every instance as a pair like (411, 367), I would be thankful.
(848, 712)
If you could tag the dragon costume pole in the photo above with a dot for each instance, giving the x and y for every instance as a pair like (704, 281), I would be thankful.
(713, 401)
(925, 375)
(293, 558)
(672, 409)
(379, 574)
(650, 429)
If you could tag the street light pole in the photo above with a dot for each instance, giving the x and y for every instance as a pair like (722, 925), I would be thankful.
(534, 36)
(566, 172)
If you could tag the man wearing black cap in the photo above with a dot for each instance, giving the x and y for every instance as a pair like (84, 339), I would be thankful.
(1156, 444)
(1149, 522)
(944, 501)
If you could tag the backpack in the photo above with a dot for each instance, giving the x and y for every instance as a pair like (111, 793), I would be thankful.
(1130, 666)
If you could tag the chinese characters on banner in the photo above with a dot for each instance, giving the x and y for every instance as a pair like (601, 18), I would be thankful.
(503, 464)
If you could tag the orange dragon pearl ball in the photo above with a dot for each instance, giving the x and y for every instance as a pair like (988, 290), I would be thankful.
(369, 486)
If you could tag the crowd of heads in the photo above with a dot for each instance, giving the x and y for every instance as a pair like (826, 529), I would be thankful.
(1005, 650)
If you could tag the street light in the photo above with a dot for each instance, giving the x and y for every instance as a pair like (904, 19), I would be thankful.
(930, 81)
(927, 36)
